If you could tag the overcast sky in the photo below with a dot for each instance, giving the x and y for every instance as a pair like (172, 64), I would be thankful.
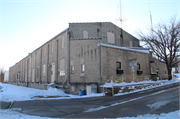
(27, 24)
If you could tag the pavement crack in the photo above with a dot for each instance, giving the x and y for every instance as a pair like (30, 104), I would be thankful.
(55, 108)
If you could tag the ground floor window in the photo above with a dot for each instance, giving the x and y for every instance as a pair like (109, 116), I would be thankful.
(62, 72)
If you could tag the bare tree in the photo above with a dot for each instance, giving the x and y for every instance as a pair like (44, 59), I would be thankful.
(164, 42)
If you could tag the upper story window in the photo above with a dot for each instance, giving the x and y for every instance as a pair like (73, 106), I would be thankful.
(44, 70)
(130, 44)
(85, 34)
(62, 42)
(52, 47)
(110, 37)
(44, 51)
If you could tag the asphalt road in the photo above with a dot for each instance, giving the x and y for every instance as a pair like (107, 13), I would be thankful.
(167, 97)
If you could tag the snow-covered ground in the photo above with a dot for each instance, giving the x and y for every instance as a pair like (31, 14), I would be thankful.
(9, 113)
(170, 115)
(9, 93)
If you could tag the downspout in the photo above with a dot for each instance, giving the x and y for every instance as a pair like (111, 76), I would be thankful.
(99, 44)
(66, 58)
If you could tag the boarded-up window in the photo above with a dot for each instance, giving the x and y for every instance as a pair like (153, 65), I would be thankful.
(44, 70)
(26, 76)
(110, 37)
(62, 43)
(33, 72)
(44, 51)
(52, 47)
(152, 71)
(130, 44)
(85, 34)
(62, 67)
(29, 72)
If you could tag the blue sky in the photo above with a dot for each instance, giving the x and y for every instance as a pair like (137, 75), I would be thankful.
(27, 24)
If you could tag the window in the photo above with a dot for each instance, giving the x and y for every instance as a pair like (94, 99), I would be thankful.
(139, 71)
(62, 67)
(44, 70)
(62, 72)
(33, 72)
(52, 47)
(29, 73)
(110, 37)
(72, 69)
(130, 44)
(26, 76)
(62, 43)
(139, 66)
(165, 71)
(118, 65)
(44, 51)
(85, 34)
(82, 68)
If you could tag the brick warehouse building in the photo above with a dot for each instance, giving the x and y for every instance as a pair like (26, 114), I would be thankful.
(84, 54)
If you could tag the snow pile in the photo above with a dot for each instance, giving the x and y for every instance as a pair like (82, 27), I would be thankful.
(9, 113)
(50, 92)
(15, 93)
(9, 93)
(158, 105)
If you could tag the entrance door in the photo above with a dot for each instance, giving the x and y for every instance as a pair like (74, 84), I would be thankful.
(53, 73)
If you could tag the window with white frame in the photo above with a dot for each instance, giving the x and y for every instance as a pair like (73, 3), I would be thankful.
(62, 67)
(110, 37)
(44, 70)
(85, 34)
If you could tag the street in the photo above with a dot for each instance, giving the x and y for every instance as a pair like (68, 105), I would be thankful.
(154, 101)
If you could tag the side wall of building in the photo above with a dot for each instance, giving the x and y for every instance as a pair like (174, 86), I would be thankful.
(42, 65)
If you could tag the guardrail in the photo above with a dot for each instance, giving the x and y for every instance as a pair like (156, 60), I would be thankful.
(107, 81)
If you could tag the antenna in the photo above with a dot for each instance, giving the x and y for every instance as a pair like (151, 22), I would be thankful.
(120, 16)
(121, 20)
(150, 17)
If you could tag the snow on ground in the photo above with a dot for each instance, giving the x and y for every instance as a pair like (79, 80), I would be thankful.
(11, 93)
(158, 105)
(170, 115)
(9, 113)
